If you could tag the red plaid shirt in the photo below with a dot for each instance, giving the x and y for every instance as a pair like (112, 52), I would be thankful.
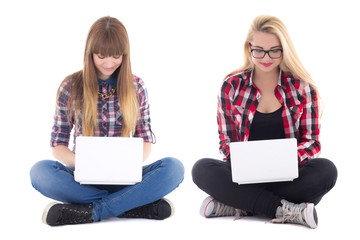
(108, 112)
(239, 98)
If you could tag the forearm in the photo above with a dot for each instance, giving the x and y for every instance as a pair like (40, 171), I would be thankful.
(64, 155)
(146, 150)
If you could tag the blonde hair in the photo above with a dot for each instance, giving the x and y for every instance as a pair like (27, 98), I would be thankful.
(290, 63)
(108, 37)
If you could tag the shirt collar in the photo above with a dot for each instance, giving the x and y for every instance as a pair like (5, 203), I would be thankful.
(112, 80)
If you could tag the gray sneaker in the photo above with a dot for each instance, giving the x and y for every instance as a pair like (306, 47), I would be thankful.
(213, 208)
(303, 213)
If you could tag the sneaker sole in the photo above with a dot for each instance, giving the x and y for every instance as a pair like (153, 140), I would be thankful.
(206, 209)
(311, 215)
(46, 211)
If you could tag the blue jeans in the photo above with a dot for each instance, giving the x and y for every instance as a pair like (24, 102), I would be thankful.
(56, 181)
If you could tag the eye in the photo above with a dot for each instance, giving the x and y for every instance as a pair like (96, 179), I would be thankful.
(100, 56)
(117, 56)
(276, 50)
(258, 50)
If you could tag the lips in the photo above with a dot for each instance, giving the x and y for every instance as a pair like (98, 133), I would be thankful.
(266, 64)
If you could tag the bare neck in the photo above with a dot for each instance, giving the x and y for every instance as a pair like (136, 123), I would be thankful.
(266, 79)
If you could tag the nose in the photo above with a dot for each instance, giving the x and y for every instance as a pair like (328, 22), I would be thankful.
(267, 56)
(108, 62)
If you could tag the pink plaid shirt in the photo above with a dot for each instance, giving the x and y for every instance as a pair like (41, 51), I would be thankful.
(237, 103)
(109, 115)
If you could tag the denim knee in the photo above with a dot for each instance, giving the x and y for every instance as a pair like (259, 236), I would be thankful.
(38, 172)
(175, 170)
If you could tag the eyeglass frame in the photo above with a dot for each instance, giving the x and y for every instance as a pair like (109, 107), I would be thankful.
(265, 52)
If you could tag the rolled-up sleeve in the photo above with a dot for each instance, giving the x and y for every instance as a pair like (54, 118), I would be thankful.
(143, 126)
(227, 127)
(308, 141)
(61, 130)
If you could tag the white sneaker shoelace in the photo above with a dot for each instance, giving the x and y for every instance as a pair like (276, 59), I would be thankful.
(221, 210)
(292, 213)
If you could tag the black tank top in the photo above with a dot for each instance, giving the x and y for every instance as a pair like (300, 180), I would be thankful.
(267, 126)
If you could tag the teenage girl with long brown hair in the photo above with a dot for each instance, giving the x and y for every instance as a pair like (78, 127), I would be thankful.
(103, 99)
(270, 97)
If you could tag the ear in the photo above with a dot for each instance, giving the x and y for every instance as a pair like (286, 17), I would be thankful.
(249, 49)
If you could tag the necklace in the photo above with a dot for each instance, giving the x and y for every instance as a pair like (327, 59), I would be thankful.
(112, 91)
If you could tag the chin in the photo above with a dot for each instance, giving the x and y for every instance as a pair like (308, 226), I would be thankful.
(268, 69)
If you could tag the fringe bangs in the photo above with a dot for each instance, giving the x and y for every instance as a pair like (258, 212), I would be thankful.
(109, 41)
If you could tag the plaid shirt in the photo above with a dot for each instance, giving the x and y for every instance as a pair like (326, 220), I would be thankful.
(239, 98)
(108, 112)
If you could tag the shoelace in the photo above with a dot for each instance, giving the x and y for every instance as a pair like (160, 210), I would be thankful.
(69, 215)
(291, 213)
(239, 214)
(146, 211)
(225, 210)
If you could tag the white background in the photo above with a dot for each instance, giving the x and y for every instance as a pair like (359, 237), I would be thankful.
(182, 50)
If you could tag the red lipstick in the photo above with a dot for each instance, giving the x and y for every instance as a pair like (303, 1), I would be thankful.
(266, 64)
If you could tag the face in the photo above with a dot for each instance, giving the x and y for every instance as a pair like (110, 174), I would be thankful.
(266, 42)
(106, 66)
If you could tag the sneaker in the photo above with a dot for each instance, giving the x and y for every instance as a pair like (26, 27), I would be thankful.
(213, 208)
(56, 214)
(157, 210)
(303, 213)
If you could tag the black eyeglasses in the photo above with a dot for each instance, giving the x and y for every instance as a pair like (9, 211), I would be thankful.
(260, 54)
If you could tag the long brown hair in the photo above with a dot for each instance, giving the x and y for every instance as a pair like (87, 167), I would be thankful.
(108, 37)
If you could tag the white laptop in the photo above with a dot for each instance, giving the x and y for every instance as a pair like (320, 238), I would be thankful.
(108, 160)
(264, 161)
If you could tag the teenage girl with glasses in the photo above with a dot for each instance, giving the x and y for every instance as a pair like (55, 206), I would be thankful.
(270, 97)
(104, 99)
